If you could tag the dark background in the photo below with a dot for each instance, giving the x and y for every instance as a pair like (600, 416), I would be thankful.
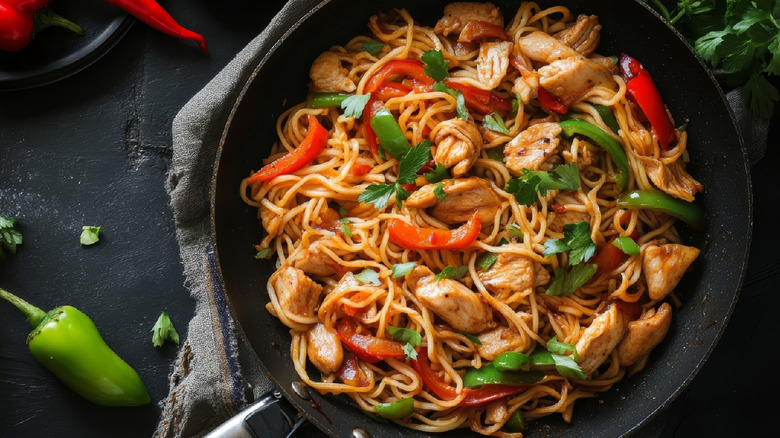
(94, 149)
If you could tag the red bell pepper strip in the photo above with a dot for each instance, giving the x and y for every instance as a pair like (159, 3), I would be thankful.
(472, 397)
(478, 29)
(369, 348)
(311, 146)
(21, 19)
(610, 256)
(411, 68)
(151, 13)
(482, 101)
(550, 101)
(413, 237)
(641, 87)
(350, 373)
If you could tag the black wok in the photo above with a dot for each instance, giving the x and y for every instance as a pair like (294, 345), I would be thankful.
(718, 160)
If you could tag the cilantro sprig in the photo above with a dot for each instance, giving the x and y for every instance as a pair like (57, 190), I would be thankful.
(411, 337)
(409, 164)
(353, 105)
(372, 47)
(525, 187)
(438, 70)
(9, 236)
(576, 240)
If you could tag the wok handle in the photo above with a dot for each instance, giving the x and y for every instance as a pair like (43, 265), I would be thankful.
(272, 416)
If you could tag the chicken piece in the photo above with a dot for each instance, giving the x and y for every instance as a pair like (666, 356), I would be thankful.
(457, 14)
(312, 261)
(644, 334)
(327, 74)
(348, 281)
(532, 147)
(527, 86)
(270, 220)
(673, 179)
(493, 62)
(568, 75)
(664, 266)
(464, 196)
(600, 338)
(451, 301)
(498, 341)
(583, 36)
(513, 273)
(496, 412)
(298, 294)
(458, 144)
(324, 348)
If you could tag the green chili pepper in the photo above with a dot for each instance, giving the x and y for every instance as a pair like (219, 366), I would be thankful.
(489, 375)
(608, 117)
(397, 409)
(327, 100)
(615, 150)
(67, 342)
(688, 212)
(390, 135)
(516, 422)
(511, 361)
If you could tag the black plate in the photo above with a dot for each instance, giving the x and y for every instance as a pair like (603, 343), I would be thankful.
(718, 160)
(57, 53)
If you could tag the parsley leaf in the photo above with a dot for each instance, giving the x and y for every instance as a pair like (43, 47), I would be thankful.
(557, 347)
(460, 99)
(761, 95)
(264, 253)
(9, 237)
(368, 276)
(353, 105)
(438, 190)
(439, 173)
(342, 210)
(378, 194)
(627, 245)
(494, 122)
(163, 330)
(562, 177)
(451, 272)
(576, 240)
(372, 47)
(413, 161)
(89, 235)
(496, 153)
(401, 269)
(565, 283)
(344, 227)
(555, 355)
(411, 337)
(435, 65)
(473, 338)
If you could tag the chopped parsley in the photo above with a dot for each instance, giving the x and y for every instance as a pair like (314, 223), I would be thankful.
(89, 235)
(372, 47)
(555, 354)
(439, 173)
(460, 99)
(494, 122)
(451, 272)
(576, 240)
(411, 337)
(401, 269)
(565, 283)
(353, 105)
(344, 227)
(435, 65)
(411, 162)
(438, 190)
(526, 187)
(368, 276)
(9, 236)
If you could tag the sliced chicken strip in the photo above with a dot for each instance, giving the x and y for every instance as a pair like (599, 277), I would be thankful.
(513, 273)
(464, 196)
(327, 74)
(324, 349)
(644, 334)
(457, 14)
(298, 294)
(584, 36)
(493, 62)
(600, 339)
(664, 265)
(532, 147)
(497, 341)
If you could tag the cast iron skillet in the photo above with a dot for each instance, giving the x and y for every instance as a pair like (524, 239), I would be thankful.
(718, 160)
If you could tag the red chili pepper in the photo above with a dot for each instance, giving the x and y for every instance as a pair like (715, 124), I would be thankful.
(413, 237)
(473, 397)
(411, 68)
(360, 169)
(311, 146)
(551, 102)
(478, 29)
(151, 13)
(641, 87)
(369, 348)
(21, 19)
(482, 101)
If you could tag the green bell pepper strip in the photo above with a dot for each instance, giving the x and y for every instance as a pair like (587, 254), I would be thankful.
(397, 409)
(688, 212)
(511, 361)
(327, 100)
(389, 133)
(608, 117)
(67, 342)
(615, 150)
(516, 422)
(490, 375)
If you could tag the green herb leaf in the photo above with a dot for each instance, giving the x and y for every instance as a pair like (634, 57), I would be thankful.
(473, 338)
(496, 123)
(627, 245)
(264, 253)
(89, 235)
(438, 190)
(342, 210)
(497, 153)
(378, 194)
(413, 161)
(565, 283)
(567, 367)
(562, 177)
(9, 237)
(411, 337)
(163, 330)
(439, 173)
(435, 65)
(344, 227)
(372, 47)
(460, 99)
(451, 272)
(402, 269)
(368, 276)
(353, 105)
(576, 240)
(515, 231)
(760, 95)
(557, 347)
(486, 260)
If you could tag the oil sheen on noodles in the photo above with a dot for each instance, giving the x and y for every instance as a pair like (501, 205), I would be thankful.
(426, 285)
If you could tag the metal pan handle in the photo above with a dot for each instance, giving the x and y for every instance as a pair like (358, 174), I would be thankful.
(272, 416)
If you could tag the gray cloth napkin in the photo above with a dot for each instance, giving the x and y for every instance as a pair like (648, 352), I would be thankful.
(217, 374)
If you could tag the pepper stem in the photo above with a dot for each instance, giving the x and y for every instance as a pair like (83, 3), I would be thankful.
(33, 314)
(46, 17)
